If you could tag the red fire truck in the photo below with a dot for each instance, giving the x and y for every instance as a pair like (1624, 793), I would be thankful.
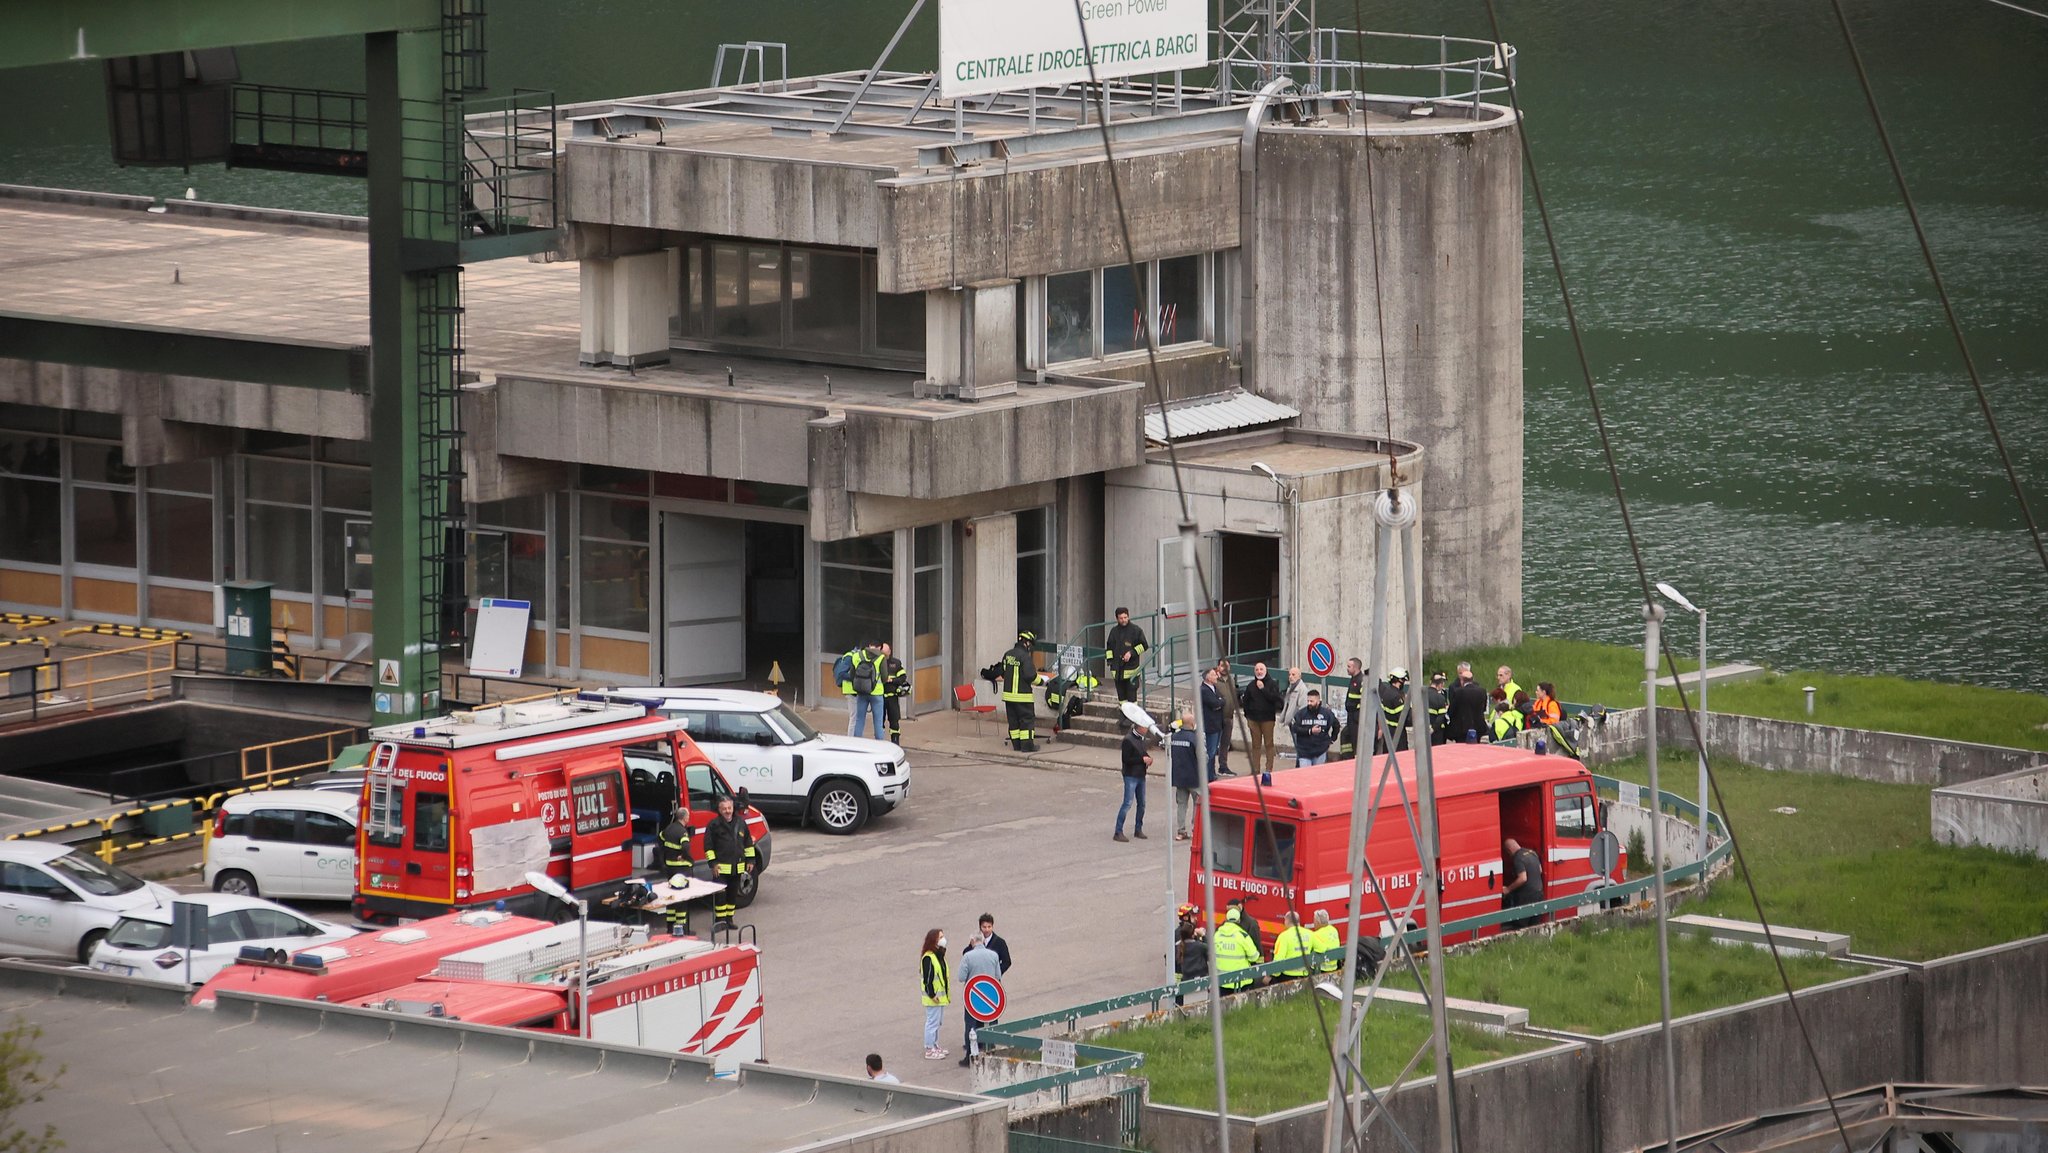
(458, 809)
(676, 994)
(1294, 855)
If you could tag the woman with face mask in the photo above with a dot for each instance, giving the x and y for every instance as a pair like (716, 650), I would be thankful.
(932, 977)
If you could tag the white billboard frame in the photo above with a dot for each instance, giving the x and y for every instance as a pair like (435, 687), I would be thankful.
(989, 46)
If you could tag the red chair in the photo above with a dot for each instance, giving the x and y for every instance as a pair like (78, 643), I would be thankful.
(963, 704)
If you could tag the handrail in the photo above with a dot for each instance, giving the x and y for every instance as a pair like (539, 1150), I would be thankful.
(1107, 1059)
(271, 770)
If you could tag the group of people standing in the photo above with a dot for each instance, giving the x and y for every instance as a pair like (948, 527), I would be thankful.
(986, 955)
(875, 683)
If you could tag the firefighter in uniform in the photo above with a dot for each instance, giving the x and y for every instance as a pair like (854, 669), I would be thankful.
(675, 859)
(1354, 702)
(1126, 648)
(1014, 675)
(729, 850)
(1438, 699)
(1394, 706)
(895, 690)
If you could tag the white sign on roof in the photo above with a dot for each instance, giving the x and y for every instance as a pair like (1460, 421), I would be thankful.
(1003, 45)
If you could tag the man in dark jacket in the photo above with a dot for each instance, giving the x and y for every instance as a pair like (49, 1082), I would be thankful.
(1227, 685)
(729, 850)
(1524, 883)
(1261, 698)
(895, 689)
(1314, 728)
(1393, 703)
(1184, 763)
(1438, 699)
(1213, 721)
(1126, 647)
(1468, 706)
(1136, 760)
(995, 941)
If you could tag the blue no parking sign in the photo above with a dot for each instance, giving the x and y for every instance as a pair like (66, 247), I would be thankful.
(984, 998)
(1321, 657)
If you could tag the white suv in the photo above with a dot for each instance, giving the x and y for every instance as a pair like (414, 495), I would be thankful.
(787, 767)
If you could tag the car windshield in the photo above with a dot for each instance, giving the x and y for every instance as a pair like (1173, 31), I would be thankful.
(794, 729)
(95, 877)
(136, 933)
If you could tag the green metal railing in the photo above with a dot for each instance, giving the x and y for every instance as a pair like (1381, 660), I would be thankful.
(1093, 1061)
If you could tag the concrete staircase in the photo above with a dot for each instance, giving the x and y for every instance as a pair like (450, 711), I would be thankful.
(1100, 725)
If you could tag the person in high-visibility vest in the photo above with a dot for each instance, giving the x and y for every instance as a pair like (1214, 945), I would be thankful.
(1237, 949)
(675, 861)
(1323, 939)
(931, 978)
(1507, 716)
(729, 850)
(1293, 944)
(1014, 675)
(1125, 649)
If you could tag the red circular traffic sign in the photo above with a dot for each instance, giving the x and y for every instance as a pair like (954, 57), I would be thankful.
(984, 998)
(1321, 657)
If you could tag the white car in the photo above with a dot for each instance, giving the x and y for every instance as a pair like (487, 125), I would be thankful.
(140, 944)
(285, 843)
(787, 767)
(56, 901)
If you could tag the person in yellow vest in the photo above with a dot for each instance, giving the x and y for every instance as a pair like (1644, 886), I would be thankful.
(1507, 715)
(931, 974)
(1237, 949)
(1323, 939)
(1293, 944)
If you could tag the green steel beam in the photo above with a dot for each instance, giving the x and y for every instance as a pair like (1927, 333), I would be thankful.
(176, 352)
(56, 31)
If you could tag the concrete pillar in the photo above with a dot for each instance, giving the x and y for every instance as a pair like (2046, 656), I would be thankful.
(640, 300)
(971, 341)
(594, 305)
(988, 588)
(1080, 547)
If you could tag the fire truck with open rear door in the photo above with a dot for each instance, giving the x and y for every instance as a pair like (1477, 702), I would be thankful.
(458, 809)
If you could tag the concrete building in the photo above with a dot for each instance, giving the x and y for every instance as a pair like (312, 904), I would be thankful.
(850, 363)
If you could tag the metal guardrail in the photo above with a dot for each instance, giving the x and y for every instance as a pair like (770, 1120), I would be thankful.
(259, 770)
(1093, 1061)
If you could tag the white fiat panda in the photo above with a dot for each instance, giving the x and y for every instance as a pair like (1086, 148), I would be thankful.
(285, 843)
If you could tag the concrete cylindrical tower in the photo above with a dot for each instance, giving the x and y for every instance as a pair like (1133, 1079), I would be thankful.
(1446, 202)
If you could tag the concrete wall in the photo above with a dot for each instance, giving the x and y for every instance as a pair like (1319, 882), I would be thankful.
(1447, 211)
(2006, 812)
(1796, 746)
(1036, 216)
(1191, 372)
(153, 404)
(724, 194)
(1735, 1063)
(1984, 1015)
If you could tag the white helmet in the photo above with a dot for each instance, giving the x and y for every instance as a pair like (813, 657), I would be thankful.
(680, 880)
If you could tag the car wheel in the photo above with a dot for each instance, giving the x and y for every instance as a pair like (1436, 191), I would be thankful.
(92, 941)
(237, 882)
(839, 807)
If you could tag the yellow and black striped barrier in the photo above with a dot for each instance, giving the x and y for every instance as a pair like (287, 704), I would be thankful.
(27, 620)
(43, 641)
(202, 807)
(129, 632)
(282, 660)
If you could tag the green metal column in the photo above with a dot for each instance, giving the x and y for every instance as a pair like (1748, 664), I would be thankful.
(413, 313)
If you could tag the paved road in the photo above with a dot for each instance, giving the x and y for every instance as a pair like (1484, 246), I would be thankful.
(840, 919)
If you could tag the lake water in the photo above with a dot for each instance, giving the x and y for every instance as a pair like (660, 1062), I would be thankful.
(1802, 452)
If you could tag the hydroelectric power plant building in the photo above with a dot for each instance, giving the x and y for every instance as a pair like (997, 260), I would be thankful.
(838, 359)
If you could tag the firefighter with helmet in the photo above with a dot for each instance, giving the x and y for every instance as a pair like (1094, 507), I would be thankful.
(1394, 707)
(676, 862)
(729, 850)
(1014, 675)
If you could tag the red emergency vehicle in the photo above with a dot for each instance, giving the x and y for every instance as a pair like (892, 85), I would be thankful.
(1294, 856)
(676, 994)
(456, 810)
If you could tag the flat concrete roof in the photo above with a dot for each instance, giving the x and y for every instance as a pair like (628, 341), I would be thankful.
(1288, 452)
(143, 1070)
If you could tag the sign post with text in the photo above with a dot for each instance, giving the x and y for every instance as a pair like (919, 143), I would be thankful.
(1000, 45)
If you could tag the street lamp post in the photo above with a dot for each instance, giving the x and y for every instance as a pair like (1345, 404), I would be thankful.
(553, 888)
(1678, 598)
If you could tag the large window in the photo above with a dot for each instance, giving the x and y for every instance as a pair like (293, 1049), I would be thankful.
(856, 582)
(1035, 573)
(612, 560)
(280, 522)
(1105, 312)
(344, 530)
(31, 518)
(818, 301)
(509, 549)
(181, 540)
(102, 505)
